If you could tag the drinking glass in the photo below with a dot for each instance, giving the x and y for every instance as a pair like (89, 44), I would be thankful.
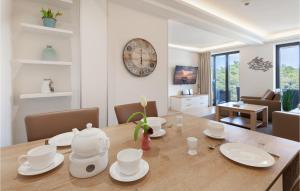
(179, 121)
(192, 143)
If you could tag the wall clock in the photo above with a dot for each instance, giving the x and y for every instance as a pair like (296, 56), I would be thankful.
(139, 57)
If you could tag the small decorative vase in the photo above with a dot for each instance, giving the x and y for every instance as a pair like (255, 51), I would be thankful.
(49, 22)
(49, 53)
(146, 142)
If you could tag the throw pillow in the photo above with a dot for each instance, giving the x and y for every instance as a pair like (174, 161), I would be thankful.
(268, 95)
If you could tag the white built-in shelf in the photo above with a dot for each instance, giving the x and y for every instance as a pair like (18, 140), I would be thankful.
(60, 3)
(45, 95)
(57, 3)
(43, 62)
(46, 30)
(66, 1)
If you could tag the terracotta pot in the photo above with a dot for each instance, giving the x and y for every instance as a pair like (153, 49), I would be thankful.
(146, 142)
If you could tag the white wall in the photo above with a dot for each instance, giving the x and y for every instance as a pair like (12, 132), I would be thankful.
(5, 86)
(28, 78)
(253, 82)
(93, 31)
(183, 58)
(125, 24)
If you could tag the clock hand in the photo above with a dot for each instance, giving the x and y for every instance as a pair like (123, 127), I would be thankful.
(142, 57)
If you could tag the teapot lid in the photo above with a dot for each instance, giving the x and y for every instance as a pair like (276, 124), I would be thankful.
(92, 131)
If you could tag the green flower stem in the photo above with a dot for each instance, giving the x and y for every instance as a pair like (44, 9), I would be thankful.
(141, 124)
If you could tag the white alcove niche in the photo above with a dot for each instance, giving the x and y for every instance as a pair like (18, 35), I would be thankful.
(30, 37)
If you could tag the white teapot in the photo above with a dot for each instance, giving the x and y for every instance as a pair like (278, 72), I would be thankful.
(90, 142)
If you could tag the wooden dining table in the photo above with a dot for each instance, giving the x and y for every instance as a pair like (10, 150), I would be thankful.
(171, 168)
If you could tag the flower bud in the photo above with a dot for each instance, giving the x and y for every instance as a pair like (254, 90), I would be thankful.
(143, 101)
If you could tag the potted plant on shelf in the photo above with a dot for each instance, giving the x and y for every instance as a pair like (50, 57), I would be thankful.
(287, 99)
(147, 130)
(49, 18)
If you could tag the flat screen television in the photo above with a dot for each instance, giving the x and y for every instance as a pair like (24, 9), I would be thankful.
(185, 75)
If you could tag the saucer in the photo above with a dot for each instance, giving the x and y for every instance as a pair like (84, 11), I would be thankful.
(62, 140)
(117, 175)
(26, 170)
(160, 133)
(208, 133)
(160, 119)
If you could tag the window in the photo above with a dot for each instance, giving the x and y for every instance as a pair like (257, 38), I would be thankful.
(225, 80)
(288, 68)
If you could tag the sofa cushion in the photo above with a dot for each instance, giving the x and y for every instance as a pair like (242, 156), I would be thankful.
(276, 96)
(268, 95)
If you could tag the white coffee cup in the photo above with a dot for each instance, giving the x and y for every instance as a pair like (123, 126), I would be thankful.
(39, 157)
(192, 143)
(216, 129)
(155, 125)
(129, 160)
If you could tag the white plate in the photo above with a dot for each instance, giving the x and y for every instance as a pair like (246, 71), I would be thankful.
(160, 133)
(247, 155)
(208, 133)
(62, 140)
(26, 170)
(162, 120)
(117, 175)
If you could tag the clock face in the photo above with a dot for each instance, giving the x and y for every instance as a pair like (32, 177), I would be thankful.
(139, 57)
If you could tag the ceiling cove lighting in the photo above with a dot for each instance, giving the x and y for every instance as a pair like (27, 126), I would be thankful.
(285, 34)
(210, 48)
(204, 7)
(189, 48)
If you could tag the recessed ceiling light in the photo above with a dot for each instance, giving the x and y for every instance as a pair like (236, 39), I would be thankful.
(246, 2)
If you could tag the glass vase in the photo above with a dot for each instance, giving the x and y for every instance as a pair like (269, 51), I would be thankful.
(49, 53)
(146, 142)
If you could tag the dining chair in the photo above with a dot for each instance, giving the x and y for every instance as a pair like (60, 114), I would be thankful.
(124, 111)
(46, 125)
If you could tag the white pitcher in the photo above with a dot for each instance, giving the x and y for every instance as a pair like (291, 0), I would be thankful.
(46, 86)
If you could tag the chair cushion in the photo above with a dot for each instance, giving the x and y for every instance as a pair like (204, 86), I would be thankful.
(268, 95)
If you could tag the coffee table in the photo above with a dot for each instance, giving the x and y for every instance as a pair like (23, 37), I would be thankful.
(251, 109)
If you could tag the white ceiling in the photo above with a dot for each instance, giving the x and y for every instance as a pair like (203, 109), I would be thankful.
(208, 23)
(186, 35)
(268, 16)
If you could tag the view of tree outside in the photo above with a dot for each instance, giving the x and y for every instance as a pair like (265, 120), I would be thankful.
(289, 63)
(233, 77)
(220, 78)
(289, 67)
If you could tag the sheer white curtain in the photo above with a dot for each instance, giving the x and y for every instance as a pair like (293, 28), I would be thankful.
(204, 75)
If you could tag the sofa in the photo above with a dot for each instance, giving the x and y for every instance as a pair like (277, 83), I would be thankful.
(270, 99)
(286, 125)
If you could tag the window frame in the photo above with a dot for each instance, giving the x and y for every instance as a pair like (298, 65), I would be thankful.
(226, 54)
(277, 61)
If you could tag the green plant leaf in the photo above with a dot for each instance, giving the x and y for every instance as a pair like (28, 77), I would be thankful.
(146, 127)
(136, 132)
(58, 14)
(133, 115)
(287, 99)
(49, 14)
